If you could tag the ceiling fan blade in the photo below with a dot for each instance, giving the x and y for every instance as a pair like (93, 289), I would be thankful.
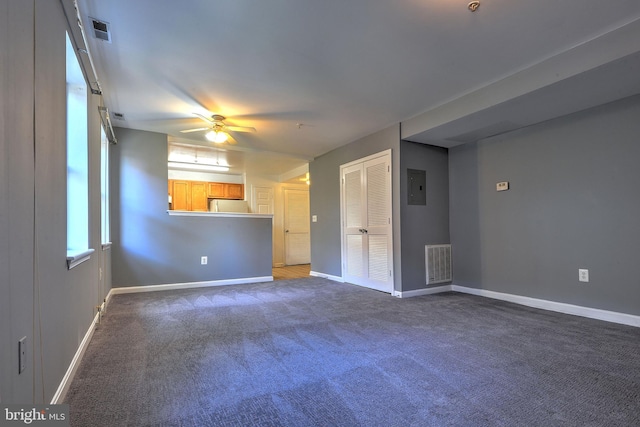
(193, 130)
(230, 140)
(205, 118)
(240, 128)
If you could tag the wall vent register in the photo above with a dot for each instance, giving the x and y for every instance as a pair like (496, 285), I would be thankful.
(438, 263)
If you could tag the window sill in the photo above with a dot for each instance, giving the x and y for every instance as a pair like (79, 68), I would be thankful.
(75, 258)
(106, 246)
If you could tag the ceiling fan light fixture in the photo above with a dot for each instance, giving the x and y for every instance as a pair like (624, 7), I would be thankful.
(216, 136)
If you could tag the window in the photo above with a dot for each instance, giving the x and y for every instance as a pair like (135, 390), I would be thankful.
(77, 162)
(104, 187)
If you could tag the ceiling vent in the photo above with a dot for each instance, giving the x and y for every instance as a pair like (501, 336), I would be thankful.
(101, 30)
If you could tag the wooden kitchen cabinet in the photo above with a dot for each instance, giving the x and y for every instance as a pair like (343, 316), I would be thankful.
(220, 190)
(215, 190)
(199, 200)
(180, 195)
(195, 195)
(234, 191)
(188, 195)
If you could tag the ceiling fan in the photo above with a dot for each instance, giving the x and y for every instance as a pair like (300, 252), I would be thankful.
(218, 130)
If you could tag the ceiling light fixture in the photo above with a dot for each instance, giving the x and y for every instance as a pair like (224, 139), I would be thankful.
(473, 6)
(216, 136)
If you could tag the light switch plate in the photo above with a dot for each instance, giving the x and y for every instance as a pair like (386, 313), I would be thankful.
(314, 218)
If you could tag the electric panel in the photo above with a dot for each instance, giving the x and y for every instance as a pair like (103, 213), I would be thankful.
(416, 183)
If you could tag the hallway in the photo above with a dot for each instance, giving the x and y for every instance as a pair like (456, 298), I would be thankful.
(291, 272)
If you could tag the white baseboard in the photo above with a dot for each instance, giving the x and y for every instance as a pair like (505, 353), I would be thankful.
(326, 276)
(419, 292)
(576, 310)
(188, 285)
(75, 363)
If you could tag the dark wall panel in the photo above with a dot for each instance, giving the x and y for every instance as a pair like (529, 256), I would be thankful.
(426, 224)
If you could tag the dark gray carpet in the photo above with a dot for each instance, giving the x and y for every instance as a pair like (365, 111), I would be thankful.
(313, 352)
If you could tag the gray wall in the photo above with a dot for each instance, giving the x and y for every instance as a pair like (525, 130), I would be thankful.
(324, 195)
(573, 203)
(40, 299)
(423, 224)
(150, 247)
(413, 226)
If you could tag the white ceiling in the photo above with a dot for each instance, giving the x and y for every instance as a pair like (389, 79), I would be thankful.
(311, 76)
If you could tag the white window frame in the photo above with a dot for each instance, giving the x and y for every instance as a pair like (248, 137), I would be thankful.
(105, 202)
(78, 249)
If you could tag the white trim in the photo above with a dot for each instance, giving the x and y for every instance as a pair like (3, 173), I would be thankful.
(61, 392)
(188, 285)
(220, 214)
(420, 292)
(560, 307)
(382, 153)
(107, 299)
(326, 276)
(77, 258)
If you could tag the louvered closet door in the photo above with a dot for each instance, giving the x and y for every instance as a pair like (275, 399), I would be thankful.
(378, 225)
(353, 218)
(367, 243)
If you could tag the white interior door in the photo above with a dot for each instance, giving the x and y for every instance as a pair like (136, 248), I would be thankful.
(367, 252)
(263, 200)
(297, 240)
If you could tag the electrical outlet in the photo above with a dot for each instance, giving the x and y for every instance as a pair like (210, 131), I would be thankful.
(583, 275)
(204, 260)
(22, 355)
(502, 186)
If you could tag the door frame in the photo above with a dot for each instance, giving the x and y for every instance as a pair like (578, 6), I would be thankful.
(384, 153)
